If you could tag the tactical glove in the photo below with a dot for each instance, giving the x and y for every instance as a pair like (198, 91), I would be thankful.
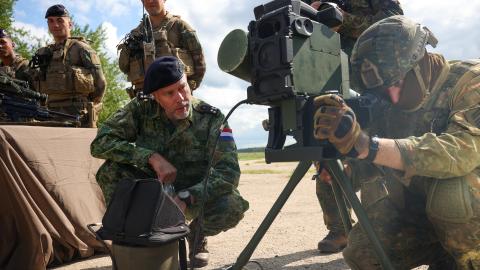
(336, 122)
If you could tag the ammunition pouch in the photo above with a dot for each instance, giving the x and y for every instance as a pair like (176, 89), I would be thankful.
(187, 61)
(450, 200)
(93, 110)
(54, 83)
(136, 70)
(161, 43)
(83, 81)
(140, 213)
(124, 58)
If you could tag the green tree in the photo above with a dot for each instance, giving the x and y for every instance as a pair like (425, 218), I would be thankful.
(6, 16)
(25, 42)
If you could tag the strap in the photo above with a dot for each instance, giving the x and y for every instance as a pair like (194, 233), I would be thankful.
(372, 149)
(182, 253)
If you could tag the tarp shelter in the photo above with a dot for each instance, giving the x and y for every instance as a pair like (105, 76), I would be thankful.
(48, 194)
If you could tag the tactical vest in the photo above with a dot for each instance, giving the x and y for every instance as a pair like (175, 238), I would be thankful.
(63, 80)
(135, 66)
(446, 199)
(11, 70)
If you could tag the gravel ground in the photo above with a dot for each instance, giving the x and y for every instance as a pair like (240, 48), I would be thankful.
(291, 241)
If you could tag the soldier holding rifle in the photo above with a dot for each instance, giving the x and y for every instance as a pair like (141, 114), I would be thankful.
(160, 34)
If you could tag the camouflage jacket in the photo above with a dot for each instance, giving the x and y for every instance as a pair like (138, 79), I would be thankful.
(18, 70)
(440, 140)
(173, 37)
(134, 133)
(73, 71)
(360, 14)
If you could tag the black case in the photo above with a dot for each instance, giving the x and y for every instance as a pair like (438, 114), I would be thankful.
(141, 214)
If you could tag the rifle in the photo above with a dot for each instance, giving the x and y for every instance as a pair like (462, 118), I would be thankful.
(148, 41)
(141, 47)
(18, 103)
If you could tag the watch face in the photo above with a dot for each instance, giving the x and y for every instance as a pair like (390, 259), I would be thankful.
(183, 194)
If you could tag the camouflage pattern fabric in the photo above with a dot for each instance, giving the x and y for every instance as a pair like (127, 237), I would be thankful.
(439, 145)
(360, 15)
(18, 70)
(331, 216)
(131, 135)
(179, 35)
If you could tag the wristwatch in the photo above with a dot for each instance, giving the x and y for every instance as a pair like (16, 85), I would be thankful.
(185, 196)
(372, 148)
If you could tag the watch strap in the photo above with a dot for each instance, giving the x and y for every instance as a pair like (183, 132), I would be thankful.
(372, 148)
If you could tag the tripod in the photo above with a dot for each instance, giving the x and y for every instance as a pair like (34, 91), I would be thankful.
(341, 186)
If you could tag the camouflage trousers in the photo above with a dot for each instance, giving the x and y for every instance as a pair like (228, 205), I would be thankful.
(412, 238)
(221, 213)
(331, 215)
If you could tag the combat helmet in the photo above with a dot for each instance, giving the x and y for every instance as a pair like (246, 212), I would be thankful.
(387, 50)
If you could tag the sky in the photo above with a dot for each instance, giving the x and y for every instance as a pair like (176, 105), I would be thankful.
(455, 24)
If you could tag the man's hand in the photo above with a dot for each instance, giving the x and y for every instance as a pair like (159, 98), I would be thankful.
(165, 171)
(336, 122)
(181, 204)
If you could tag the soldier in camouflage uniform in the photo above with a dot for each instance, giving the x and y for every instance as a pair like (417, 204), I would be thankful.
(173, 137)
(358, 15)
(420, 181)
(69, 70)
(11, 63)
(171, 36)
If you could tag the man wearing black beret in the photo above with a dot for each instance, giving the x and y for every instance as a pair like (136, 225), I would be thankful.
(69, 70)
(172, 137)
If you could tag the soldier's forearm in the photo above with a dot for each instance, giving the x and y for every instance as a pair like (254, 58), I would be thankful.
(388, 155)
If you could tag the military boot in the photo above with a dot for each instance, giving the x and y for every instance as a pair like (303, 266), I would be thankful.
(198, 257)
(332, 243)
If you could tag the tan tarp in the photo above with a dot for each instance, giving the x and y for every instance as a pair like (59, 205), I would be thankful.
(48, 194)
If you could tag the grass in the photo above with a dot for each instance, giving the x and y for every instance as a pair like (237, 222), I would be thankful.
(261, 172)
(251, 156)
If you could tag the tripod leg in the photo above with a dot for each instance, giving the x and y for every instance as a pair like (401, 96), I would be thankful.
(342, 207)
(247, 252)
(335, 168)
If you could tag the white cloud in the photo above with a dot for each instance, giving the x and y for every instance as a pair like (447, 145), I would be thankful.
(112, 38)
(36, 31)
(455, 24)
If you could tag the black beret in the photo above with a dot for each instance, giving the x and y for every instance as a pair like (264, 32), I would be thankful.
(164, 71)
(4, 34)
(57, 11)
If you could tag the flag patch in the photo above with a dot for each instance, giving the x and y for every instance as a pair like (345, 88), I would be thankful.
(226, 134)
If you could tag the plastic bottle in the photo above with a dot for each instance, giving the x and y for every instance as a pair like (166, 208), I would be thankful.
(169, 189)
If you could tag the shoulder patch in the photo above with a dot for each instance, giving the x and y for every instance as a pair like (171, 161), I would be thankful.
(206, 108)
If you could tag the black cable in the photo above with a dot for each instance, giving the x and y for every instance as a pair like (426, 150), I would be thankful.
(205, 181)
